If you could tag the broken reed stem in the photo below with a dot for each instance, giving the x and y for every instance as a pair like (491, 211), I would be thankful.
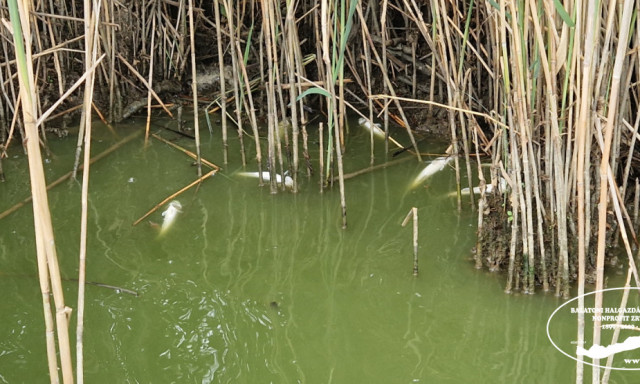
(174, 195)
(413, 213)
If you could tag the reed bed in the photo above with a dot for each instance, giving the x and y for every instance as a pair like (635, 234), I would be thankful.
(544, 92)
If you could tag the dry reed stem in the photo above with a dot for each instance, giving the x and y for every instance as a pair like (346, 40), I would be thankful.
(604, 164)
(223, 100)
(153, 37)
(92, 16)
(144, 82)
(413, 213)
(45, 243)
(187, 152)
(194, 87)
(174, 195)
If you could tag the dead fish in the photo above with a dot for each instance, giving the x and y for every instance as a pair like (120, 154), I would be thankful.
(368, 125)
(266, 176)
(434, 167)
(169, 215)
(488, 189)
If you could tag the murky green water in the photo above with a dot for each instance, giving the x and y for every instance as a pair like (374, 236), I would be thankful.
(249, 287)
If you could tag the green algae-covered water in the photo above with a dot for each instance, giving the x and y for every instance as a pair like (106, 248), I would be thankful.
(250, 287)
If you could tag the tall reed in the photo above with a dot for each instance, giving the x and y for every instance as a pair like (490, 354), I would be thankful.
(49, 273)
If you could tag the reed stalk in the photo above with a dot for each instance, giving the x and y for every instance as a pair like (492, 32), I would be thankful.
(413, 213)
(153, 35)
(45, 243)
(604, 164)
(252, 114)
(194, 87)
(268, 34)
(223, 93)
(92, 17)
(333, 131)
(237, 83)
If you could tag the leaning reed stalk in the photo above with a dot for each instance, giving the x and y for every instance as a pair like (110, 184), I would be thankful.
(45, 243)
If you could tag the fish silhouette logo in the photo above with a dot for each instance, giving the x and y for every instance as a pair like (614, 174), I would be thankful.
(619, 329)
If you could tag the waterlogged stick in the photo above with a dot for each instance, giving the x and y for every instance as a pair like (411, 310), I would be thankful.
(413, 213)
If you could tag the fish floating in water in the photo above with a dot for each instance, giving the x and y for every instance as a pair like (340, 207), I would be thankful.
(488, 189)
(169, 215)
(434, 167)
(266, 176)
(369, 126)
